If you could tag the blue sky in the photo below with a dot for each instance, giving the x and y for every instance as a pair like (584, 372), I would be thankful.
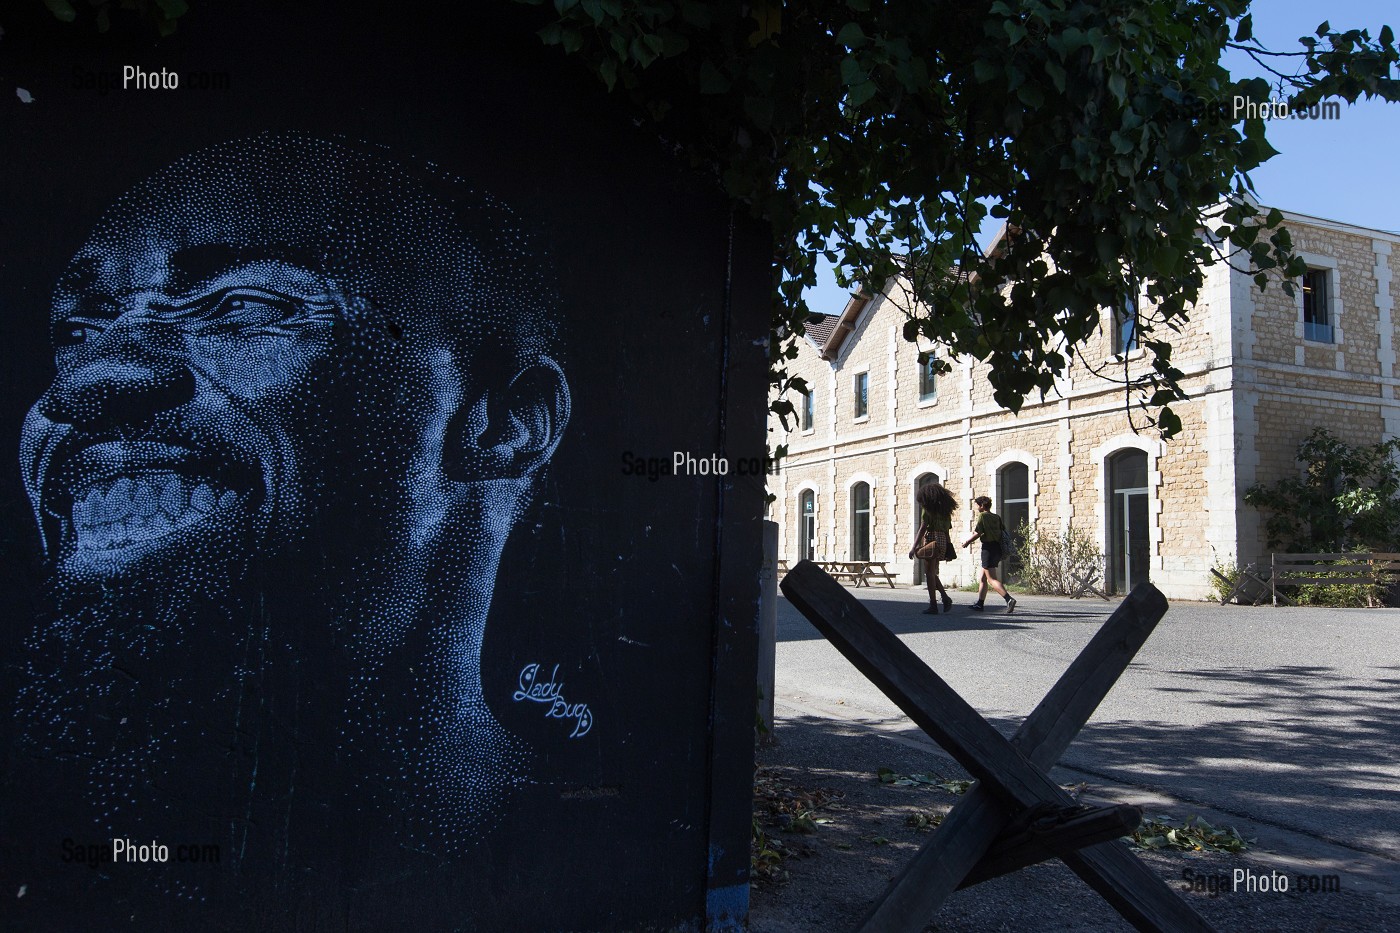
(1343, 170)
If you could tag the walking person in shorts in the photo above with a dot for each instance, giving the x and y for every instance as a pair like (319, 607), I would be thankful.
(989, 528)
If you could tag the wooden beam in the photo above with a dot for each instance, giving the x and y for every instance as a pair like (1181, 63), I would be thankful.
(968, 832)
(1044, 839)
(923, 696)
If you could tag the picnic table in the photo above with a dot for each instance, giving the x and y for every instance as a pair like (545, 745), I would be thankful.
(859, 572)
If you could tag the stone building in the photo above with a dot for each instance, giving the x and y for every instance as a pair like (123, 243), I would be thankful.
(1262, 370)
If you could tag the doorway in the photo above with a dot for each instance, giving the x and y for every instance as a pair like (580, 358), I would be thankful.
(807, 526)
(1128, 540)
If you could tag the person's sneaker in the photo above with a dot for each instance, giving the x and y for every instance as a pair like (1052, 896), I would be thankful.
(1011, 605)
(931, 611)
(947, 604)
(977, 607)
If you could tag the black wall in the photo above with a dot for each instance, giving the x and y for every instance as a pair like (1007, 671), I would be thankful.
(642, 592)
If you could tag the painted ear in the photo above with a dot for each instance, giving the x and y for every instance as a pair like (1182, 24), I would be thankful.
(509, 433)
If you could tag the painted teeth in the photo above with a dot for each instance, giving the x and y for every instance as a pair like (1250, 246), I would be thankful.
(146, 499)
(202, 498)
(142, 508)
(172, 498)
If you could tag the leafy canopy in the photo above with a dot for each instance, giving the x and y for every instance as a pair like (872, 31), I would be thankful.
(873, 133)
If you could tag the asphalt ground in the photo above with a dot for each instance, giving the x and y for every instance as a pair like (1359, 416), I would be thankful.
(1283, 723)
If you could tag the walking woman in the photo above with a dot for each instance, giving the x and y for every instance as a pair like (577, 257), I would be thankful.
(931, 542)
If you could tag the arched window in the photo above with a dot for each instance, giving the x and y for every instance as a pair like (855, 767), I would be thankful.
(860, 521)
(1127, 537)
(807, 525)
(1014, 507)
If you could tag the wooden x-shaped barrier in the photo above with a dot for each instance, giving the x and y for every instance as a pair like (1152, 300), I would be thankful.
(1012, 787)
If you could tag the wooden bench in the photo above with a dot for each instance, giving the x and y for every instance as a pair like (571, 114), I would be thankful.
(1331, 570)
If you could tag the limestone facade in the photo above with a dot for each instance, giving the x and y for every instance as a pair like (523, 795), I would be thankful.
(1259, 381)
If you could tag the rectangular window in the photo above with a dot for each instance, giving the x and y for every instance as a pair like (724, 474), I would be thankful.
(862, 394)
(1125, 336)
(928, 379)
(1317, 309)
(808, 411)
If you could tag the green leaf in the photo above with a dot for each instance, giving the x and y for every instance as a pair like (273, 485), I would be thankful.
(607, 70)
(641, 53)
(759, 110)
(851, 72)
(1244, 31)
(861, 93)
(62, 9)
(1110, 249)
(851, 36)
(712, 80)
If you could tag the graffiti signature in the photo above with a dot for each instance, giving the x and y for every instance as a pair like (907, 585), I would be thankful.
(551, 693)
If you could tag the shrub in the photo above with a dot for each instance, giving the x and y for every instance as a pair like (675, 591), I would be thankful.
(1343, 595)
(1347, 497)
(1052, 564)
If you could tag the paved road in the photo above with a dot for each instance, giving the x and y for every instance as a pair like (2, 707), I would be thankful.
(1285, 721)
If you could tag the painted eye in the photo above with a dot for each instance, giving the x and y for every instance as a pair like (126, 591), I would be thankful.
(74, 333)
(250, 308)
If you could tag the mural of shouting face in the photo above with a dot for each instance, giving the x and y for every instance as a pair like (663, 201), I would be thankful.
(302, 393)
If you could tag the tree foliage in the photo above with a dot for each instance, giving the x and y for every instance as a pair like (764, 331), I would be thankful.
(1348, 497)
(163, 15)
(881, 134)
(874, 133)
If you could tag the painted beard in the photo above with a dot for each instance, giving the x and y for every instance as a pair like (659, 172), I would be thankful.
(153, 709)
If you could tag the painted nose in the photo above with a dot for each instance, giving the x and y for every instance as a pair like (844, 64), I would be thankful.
(107, 393)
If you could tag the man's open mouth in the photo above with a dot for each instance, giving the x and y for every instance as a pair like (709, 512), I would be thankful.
(120, 494)
(143, 508)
